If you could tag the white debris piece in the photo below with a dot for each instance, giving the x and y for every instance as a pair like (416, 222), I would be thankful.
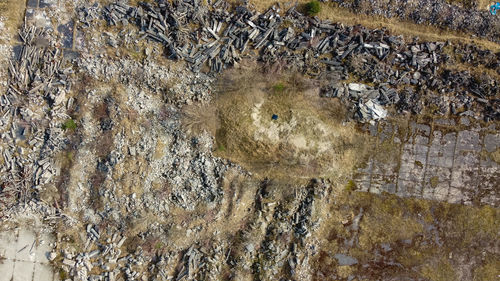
(371, 110)
(357, 87)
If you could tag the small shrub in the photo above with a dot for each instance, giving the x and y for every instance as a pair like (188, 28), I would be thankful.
(279, 87)
(62, 274)
(350, 186)
(313, 8)
(434, 181)
(69, 124)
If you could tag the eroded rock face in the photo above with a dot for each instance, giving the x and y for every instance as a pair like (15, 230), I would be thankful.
(149, 160)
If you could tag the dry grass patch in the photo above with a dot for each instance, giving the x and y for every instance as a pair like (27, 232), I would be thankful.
(489, 271)
(484, 4)
(198, 118)
(12, 15)
(428, 239)
(307, 139)
(469, 4)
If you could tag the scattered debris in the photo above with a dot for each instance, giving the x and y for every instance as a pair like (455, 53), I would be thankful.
(166, 218)
(445, 14)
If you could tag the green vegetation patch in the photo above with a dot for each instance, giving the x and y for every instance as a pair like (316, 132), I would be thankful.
(279, 87)
(313, 8)
(434, 181)
(70, 124)
(350, 186)
(63, 275)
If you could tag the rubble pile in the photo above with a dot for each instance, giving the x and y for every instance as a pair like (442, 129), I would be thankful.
(433, 12)
(87, 14)
(417, 70)
(219, 37)
(33, 109)
(287, 223)
(369, 101)
(98, 252)
(282, 249)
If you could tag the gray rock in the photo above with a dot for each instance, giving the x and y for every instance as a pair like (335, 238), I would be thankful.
(345, 260)
(51, 256)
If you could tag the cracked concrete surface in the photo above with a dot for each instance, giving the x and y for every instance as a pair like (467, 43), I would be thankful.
(24, 256)
(439, 160)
